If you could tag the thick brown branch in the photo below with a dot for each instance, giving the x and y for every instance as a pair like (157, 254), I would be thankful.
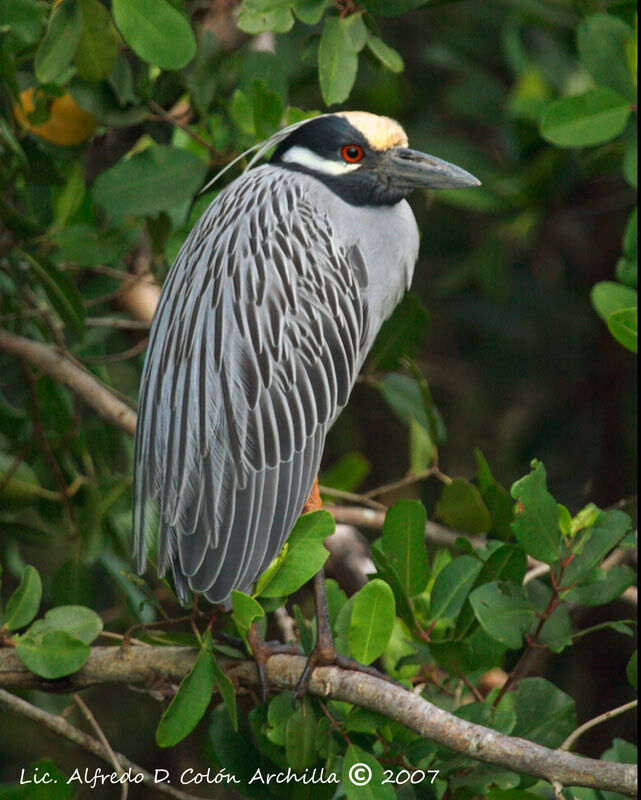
(72, 375)
(153, 666)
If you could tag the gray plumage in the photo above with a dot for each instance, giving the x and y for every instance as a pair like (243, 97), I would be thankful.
(263, 324)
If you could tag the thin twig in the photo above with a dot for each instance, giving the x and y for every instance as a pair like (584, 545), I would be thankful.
(124, 355)
(558, 790)
(352, 497)
(408, 480)
(63, 728)
(103, 269)
(120, 637)
(286, 625)
(592, 723)
(536, 572)
(178, 123)
(117, 322)
(15, 464)
(105, 742)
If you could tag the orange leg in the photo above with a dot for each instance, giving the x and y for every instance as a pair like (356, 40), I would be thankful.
(314, 502)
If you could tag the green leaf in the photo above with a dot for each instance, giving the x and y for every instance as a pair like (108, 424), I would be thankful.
(300, 737)
(347, 473)
(356, 30)
(69, 197)
(403, 540)
(626, 271)
(302, 558)
(309, 12)
(484, 714)
(189, 703)
(387, 572)
(156, 31)
(267, 107)
(388, 57)
(601, 42)
(372, 621)
(630, 163)
(461, 507)
(56, 787)
(507, 562)
(234, 751)
(504, 616)
(53, 655)
(280, 709)
(586, 119)
(401, 335)
(622, 751)
(304, 630)
(21, 484)
(557, 632)
(61, 291)
(86, 245)
(452, 586)
(422, 448)
(403, 396)
(594, 544)
(337, 61)
(24, 19)
(544, 714)
(96, 53)
(623, 326)
(24, 603)
(608, 297)
(244, 611)
(61, 40)
(101, 101)
(496, 498)
(242, 112)
(536, 522)
(257, 16)
(632, 670)
(224, 684)
(621, 626)
(604, 588)
(152, 181)
(363, 777)
(78, 621)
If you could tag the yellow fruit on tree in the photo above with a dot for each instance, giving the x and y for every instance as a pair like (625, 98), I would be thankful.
(68, 124)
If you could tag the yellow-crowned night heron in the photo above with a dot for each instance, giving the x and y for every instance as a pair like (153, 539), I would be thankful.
(263, 324)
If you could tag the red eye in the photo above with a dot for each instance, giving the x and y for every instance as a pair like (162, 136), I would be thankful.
(352, 153)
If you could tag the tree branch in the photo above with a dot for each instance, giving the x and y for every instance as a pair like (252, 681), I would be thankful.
(152, 667)
(60, 726)
(592, 723)
(72, 375)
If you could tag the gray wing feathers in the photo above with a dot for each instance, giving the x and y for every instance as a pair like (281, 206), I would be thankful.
(254, 349)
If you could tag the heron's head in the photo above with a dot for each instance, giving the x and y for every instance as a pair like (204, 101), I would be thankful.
(365, 159)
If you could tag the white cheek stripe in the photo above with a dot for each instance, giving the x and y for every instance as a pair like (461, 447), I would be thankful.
(310, 160)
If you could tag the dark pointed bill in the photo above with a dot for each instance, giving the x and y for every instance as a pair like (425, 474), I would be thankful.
(414, 170)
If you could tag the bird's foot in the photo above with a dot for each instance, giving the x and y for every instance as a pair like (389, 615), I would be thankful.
(325, 654)
(262, 652)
